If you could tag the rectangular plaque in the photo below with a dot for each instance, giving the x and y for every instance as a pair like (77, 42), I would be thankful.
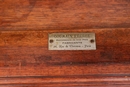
(72, 41)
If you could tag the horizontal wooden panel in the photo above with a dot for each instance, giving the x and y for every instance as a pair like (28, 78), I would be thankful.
(26, 61)
(65, 14)
(26, 53)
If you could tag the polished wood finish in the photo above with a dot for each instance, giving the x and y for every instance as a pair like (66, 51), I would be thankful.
(25, 60)
(64, 14)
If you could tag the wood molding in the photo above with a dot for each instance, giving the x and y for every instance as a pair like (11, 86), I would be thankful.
(90, 80)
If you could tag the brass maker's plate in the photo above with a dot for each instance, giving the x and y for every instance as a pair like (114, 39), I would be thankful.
(72, 41)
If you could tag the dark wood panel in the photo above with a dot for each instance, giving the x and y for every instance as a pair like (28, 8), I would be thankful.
(25, 59)
(63, 14)
(113, 45)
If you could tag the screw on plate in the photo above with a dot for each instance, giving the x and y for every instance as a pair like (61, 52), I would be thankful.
(92, 41)
(51, 41)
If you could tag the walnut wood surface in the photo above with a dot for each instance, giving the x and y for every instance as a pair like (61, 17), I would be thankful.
(63, 14)
(25, 60)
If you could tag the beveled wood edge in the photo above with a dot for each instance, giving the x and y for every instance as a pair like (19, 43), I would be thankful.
(94, 79)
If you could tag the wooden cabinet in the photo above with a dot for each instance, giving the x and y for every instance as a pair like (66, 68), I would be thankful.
(25, 60)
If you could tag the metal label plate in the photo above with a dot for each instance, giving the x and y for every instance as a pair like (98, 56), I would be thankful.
(72, 41)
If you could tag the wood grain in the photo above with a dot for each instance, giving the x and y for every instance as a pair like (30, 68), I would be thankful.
(25, 55)
(63, 14)
(25, 60)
